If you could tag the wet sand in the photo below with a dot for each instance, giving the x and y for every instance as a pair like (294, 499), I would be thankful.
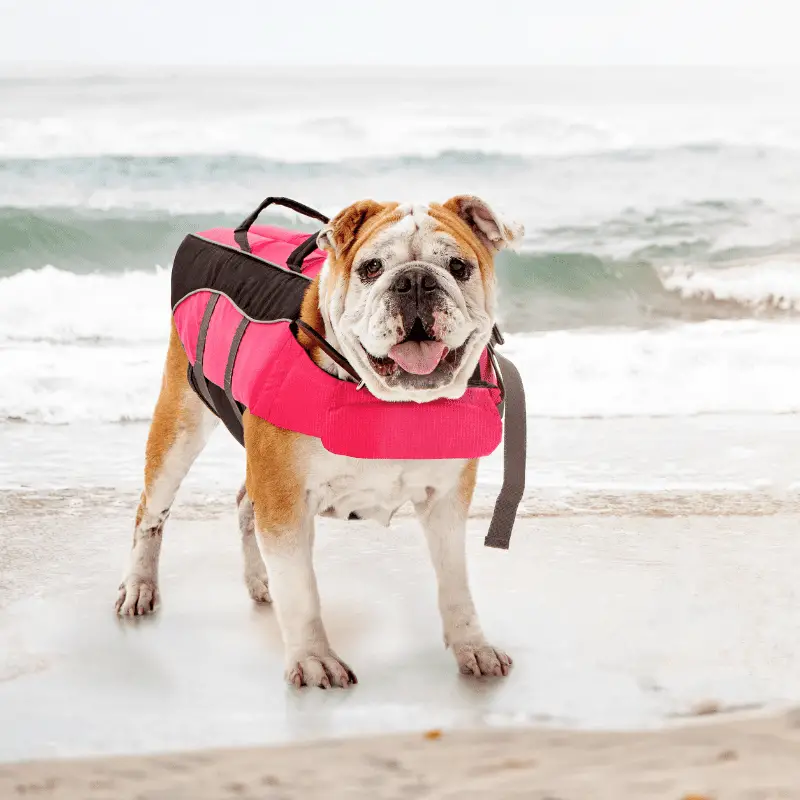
(739, 760)
(613, 622)
(628, 601)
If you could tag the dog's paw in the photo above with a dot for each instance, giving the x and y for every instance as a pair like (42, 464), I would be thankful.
(324, 671)
(481, 659)
(137, 596)
(257, 587)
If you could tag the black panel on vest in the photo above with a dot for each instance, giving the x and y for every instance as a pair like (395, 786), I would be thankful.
(262, 290)
(221, 408)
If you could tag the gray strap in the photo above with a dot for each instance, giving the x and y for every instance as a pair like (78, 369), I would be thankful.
(237, 340)
(197, 369)
(514, 455)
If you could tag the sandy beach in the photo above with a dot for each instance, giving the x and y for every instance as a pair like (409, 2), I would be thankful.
(739, 760)
(649, 600)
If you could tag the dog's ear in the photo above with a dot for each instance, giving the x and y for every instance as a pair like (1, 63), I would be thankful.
(494, 231)
(339, 235)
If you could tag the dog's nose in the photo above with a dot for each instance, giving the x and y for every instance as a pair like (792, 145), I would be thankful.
(414, 280)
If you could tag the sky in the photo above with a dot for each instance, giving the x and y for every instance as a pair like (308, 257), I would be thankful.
(398, 32)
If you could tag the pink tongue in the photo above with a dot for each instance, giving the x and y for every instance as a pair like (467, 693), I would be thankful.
(419, 358)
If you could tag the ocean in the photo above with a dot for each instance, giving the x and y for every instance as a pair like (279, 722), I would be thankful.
(659, 275)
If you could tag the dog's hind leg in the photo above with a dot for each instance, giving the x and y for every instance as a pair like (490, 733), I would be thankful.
(255, 573)
(180, 429)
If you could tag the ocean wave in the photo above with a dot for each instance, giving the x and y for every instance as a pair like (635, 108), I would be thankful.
(563, 290)
(52, 306)
(703, 368)
(105, 120)
(91, 347)
(689, 369)
(537, 292)
(155, 168)
(767, 286)
(83, 240)
(234, 164)
(56, 383)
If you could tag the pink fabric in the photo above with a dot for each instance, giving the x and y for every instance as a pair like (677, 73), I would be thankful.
(271, 244)
(275, 378)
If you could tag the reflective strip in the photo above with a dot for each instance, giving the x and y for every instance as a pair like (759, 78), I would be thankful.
(514, 455)
(237, 340)
(197, 369)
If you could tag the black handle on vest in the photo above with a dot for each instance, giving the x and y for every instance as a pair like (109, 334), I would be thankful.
(301, 252)
(240, 233)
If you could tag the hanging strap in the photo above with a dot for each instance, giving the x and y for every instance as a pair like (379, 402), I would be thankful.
(240, 233)
(197, 369)
(328, 349)
(514, 452)
(301, 253)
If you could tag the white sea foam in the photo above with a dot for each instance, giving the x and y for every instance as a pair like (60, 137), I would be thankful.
(81, 347)
(767, 285)
(708, 367)
(53, 305)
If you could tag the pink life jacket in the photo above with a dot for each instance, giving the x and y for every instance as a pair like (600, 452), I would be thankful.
(236, 297)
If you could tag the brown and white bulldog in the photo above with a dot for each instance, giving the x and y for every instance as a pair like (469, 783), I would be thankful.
(407, 295)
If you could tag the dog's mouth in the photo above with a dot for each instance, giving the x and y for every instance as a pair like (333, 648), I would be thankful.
(418, 354)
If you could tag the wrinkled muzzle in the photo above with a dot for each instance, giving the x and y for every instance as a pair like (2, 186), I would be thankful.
(417, 297)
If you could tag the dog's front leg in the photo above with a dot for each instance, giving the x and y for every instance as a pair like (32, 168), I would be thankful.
(275, 484)
(444, 520)
(310, 661)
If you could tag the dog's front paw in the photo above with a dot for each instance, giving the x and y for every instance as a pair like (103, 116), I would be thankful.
(137, 596)
(322, 670)
(480, 658)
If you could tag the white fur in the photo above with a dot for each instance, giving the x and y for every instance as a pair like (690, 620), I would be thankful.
(496, 230)
(444, 518)
(255, 573)
(357, 318)
(374, 489)
(338, 486)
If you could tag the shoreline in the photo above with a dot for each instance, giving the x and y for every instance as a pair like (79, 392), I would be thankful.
(650, 580)
(741, 759)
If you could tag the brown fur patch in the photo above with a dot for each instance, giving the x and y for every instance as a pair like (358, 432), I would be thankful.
(467, 481)
(177, 409)
(312, 316)
(351, 228)
(275, 477)
(450, 222)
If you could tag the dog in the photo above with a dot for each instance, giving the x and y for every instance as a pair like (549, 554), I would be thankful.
(407, 294)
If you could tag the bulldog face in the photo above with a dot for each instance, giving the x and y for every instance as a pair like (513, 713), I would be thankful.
(407, 293)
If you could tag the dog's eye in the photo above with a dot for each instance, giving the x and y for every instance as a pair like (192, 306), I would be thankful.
(459, 269)
(372, 269)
